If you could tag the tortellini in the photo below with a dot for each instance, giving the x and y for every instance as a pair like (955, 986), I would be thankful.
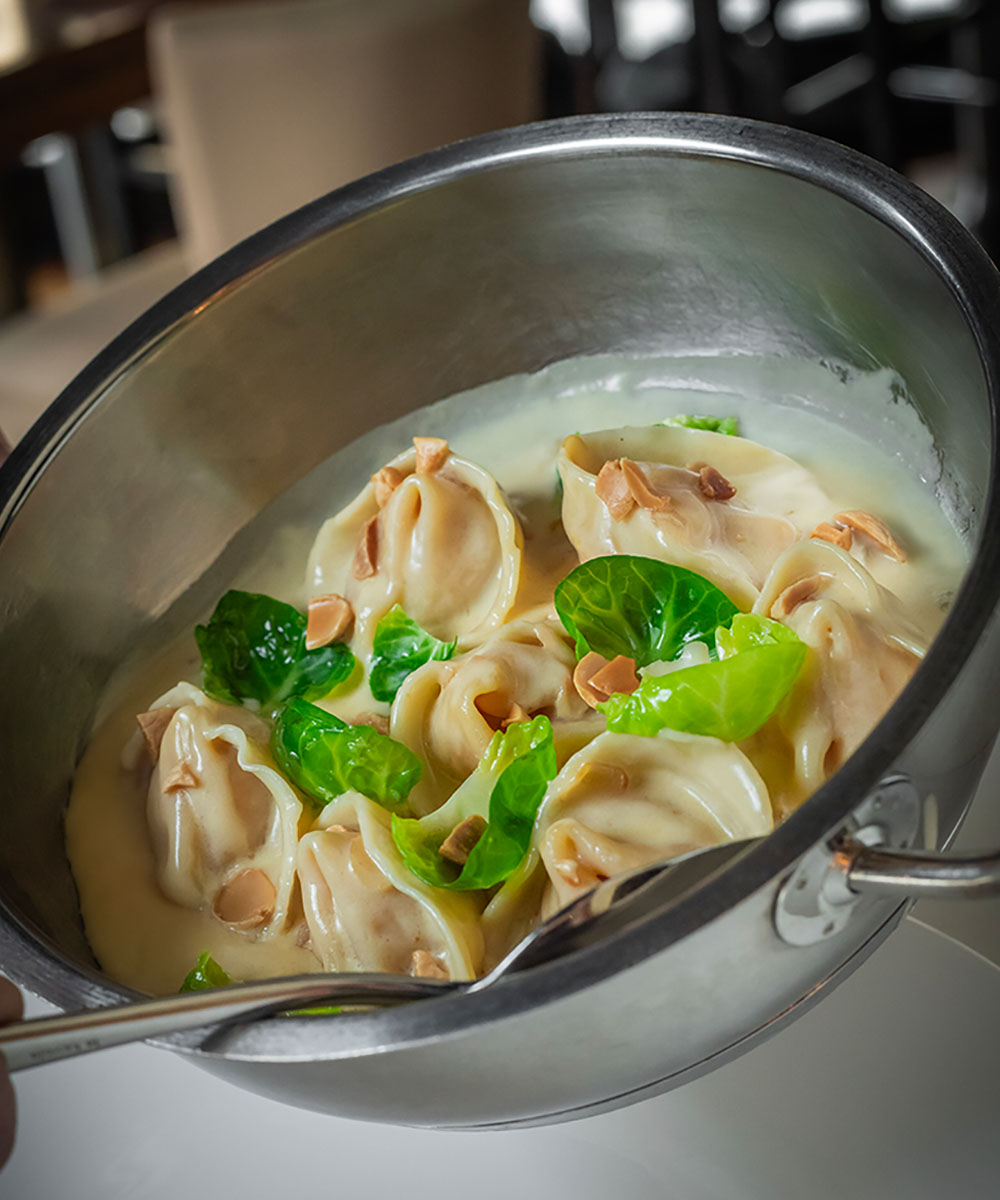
(484, 637)
(625, 801)
(407, 532)
(683, 514)
(446, 712)
(367, 912)
(223, 822)
(864, 650)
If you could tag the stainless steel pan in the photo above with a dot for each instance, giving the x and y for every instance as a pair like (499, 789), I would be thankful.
(639, 234)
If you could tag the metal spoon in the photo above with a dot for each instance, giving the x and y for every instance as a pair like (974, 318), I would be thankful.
(605, 910)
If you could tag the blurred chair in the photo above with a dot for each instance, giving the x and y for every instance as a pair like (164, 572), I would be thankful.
(41, 351)
(269, 105)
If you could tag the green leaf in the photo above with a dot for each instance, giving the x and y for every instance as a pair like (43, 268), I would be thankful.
(747, 631)
(206, 973)
(399, 647)
(730, 699)
(640, 607)
(727, 425)
(326, 757)
(506, 789)
(254, 648)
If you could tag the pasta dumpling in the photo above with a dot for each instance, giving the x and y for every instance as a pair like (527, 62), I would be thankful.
(721, 506)
(625, 801)
(446, 712)
(367, 912)
(863, 651)
(223, 822)
(418, 522)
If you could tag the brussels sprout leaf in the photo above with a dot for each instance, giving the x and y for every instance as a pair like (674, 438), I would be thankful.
(505, 789)
(400, 646)
(640, 607)
(727, 425)
(758, 661)
(254, 648)
(206, 973)
(326, 757)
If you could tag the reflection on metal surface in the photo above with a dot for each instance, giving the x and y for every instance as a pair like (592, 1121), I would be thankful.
(815, 902)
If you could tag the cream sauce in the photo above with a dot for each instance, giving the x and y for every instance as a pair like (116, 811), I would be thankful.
(884, 462)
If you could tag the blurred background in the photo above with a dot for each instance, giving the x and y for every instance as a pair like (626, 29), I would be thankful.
(139, 140)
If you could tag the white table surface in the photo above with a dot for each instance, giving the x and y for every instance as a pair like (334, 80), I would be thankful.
(886, 1090)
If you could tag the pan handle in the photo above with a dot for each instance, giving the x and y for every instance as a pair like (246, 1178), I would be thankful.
(872, 859)
(914, 874)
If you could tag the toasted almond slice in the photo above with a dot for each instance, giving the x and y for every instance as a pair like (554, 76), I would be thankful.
(835, 534)
(179, 778)
(385, 482)
(329, 618)
(618, 676)
(795, 594)
(424, 965)
(638, 486)
(516, 714)
(459, 844)
(712, 484)
(432, 452)
(878, 531)
(612, 488)
(586, 669)
(246, 901)
(154, 725)
(365, 562)
(376, 720)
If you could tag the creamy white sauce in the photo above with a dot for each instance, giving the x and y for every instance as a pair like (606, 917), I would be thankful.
(883, 461)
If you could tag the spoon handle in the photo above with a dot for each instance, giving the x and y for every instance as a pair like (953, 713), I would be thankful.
(47, 1039)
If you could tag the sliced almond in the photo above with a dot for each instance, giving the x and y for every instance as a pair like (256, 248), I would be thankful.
(376, 720)
(837, 535)
(459, 844)
(712, 484)
(181, 777)
(586, 669)
(872, 527)
(424, 965)
(619, 675)
(329, 618)
(365, 562)
(638, 486)
(612, 488)
(432, 453)
(246, 901)
(154, 725)
(385, 482)
(795, 594)
(515, 715)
